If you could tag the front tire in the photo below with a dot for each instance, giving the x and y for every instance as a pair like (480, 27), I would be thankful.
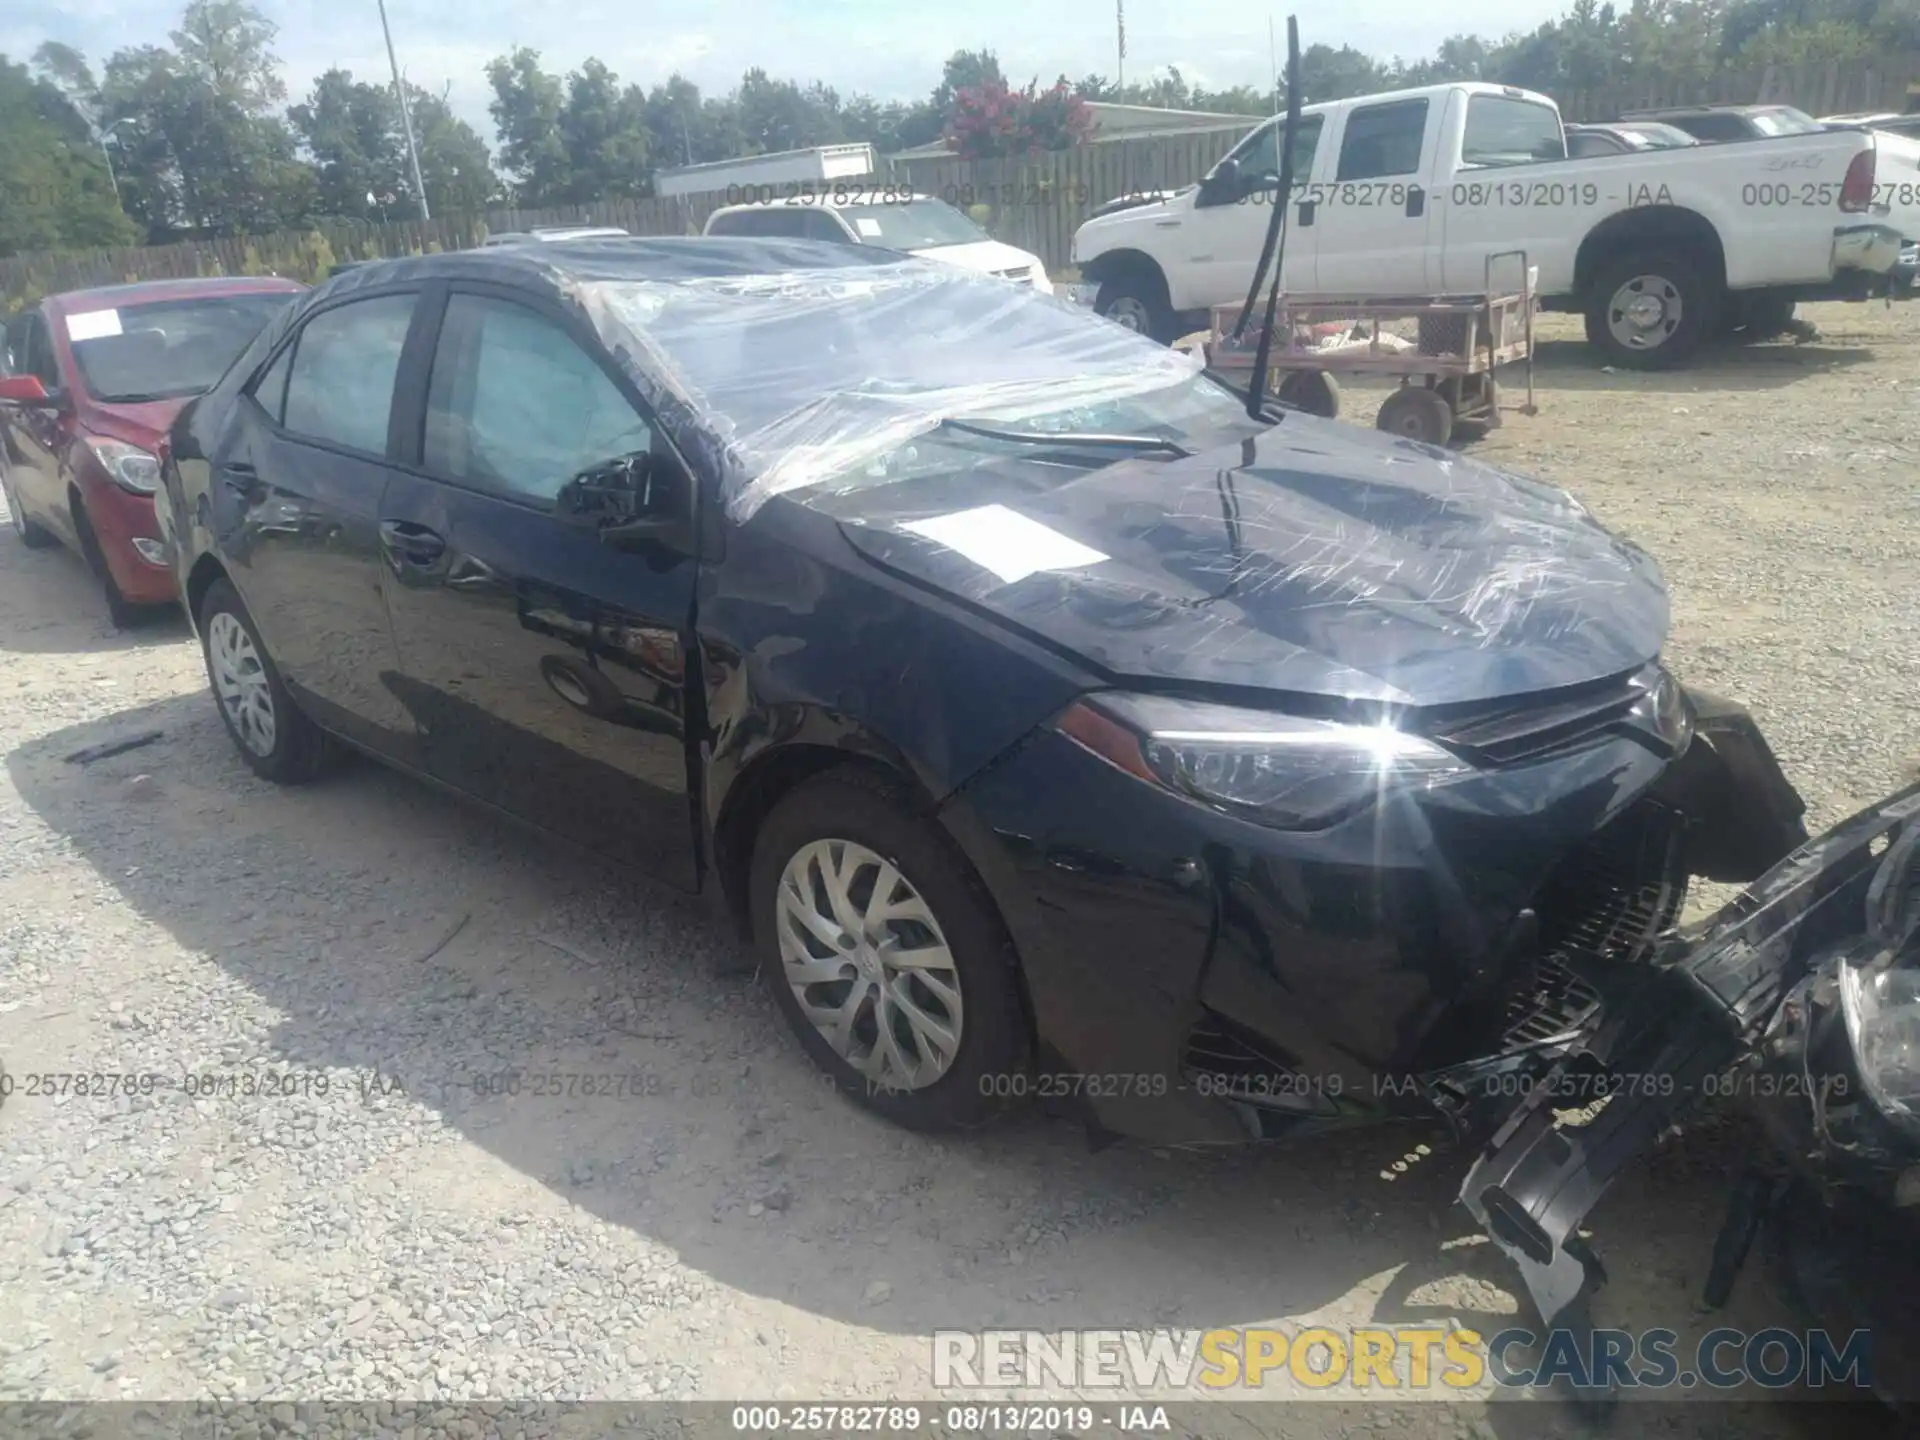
(885, 955)
(1137, 299)
(32, 534)
(121, 611)
(272, 734)
(1651, 309)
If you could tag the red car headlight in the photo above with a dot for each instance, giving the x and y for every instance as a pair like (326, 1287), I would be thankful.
(128, 466)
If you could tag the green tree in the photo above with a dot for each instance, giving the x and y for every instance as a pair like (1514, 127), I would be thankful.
(51, 172)
(352, 135)
(454, 161)
(526, 106)
(603, 128)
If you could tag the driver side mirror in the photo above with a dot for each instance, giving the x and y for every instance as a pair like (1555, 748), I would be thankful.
(24, 390)
(1223, 185)
(634, 502)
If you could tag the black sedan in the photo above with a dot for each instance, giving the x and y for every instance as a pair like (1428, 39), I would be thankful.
(1048, 722)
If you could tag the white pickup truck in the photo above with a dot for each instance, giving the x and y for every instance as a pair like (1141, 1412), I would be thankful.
(1409, 193)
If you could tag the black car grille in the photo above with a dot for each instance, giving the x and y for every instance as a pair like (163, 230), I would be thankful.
(1503, 734)
(1604, 904)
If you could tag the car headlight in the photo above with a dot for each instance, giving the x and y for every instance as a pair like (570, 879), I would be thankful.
(1881, 997)
(1281, 771)
(128, 466)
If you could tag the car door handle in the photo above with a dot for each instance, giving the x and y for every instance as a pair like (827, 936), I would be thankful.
(1166, 224)
(415, 544)
(1306, 211)
(1416, 202)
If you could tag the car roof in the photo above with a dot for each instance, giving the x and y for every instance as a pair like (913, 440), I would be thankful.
(815, 202)
(555, 266)
(1659, 111)
(147, 292)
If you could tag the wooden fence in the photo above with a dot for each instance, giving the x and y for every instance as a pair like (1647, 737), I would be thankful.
(1035, 203)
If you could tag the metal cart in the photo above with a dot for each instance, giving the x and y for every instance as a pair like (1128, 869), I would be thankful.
(1461, 341)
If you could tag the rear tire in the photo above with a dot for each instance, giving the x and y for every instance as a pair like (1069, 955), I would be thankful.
(33, 535)
(272, 734)
(850, 832)
(1651, 309)
(1137, 300)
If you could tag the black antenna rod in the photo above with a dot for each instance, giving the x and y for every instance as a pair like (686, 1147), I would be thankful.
(1274, 251)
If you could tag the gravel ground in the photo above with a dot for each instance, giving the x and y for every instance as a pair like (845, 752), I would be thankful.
(725, 1227)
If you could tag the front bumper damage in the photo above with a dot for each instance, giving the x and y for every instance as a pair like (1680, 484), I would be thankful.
(1735, 994)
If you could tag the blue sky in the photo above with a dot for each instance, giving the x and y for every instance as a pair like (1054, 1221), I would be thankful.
(891, 48)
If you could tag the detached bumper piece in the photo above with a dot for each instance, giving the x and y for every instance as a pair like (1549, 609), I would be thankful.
(1704, 1005)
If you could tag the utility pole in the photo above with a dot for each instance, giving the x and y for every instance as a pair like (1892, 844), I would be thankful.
(406, 116)
(1120, 21)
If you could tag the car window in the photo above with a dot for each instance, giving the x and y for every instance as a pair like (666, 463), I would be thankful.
(819, 225)
(40, 359)
(1582, 145)
(1383, 140)
(13, 345)
(1716, 127)
(340, 387)
(735, 224)
(1258, 156)
(921, 223)
(1504, 131)
(516, 405)
(270, 390)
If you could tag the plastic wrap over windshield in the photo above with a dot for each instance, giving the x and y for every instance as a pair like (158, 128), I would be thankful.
(783, 381)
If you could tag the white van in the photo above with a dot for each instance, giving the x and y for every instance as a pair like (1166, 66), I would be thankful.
(918, 224)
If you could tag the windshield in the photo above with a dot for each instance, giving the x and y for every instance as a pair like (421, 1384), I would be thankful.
(912, 225)
(166, 349)
(786, 381)
(1785, 120)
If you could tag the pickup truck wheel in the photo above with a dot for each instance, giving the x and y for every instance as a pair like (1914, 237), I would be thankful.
(1139, 302)
(1650, 310)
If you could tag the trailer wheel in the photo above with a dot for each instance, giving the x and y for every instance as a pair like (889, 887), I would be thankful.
(1417, 413)
(1314, 391)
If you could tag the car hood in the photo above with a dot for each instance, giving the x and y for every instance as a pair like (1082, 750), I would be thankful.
(144, 424)
(1311, 559)
(986, 256)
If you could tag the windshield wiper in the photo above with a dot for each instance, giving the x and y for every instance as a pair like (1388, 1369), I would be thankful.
(1147, 443)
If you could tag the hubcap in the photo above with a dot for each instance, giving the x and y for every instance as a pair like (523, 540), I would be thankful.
(1129, 312)
(240, 683)
(1644, 312)
(868, 964)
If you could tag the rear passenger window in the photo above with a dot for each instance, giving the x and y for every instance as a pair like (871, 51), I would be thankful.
(340, 386)
(1383, 140)
(1504, 131)
(516, 405)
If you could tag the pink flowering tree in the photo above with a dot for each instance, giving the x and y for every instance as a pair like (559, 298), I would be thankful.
(993, 120)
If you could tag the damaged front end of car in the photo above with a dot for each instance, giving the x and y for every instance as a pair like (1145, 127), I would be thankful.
(1800, 998)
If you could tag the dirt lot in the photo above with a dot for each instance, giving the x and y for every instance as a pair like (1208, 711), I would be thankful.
(733, 1230)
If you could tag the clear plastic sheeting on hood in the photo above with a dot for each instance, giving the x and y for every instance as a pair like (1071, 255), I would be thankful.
(791, 379)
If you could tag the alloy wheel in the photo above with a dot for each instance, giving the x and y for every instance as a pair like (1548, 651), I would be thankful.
(868, 964)
(240, 683)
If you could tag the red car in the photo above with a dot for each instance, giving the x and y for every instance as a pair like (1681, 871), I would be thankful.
(89, 383)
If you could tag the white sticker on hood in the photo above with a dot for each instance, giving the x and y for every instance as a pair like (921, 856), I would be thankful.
(1005, 542)
(94, 325)
(866, 225)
